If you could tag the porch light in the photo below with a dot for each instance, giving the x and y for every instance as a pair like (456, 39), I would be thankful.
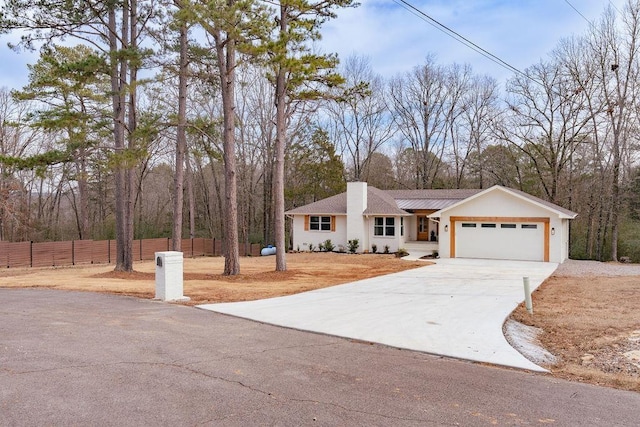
(553, 231)
(446, 228)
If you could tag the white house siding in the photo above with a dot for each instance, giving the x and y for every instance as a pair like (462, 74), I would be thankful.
(565, 239)
(410, 229)
(302, 237)
(356, 225)
(498, 207)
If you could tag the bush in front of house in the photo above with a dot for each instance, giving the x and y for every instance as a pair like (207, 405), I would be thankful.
(328, 245)
(353, 245)
(401, 252)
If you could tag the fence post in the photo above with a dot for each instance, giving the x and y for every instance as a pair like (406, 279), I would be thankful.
(109, 251)
(73, 252)
(31, 254)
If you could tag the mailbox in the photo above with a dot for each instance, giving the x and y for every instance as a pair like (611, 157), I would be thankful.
(169, 276)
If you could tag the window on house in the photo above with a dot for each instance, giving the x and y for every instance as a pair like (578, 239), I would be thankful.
(507, 226)
(485, 225)
(468, 225)
(402, 226)
(384, 226)
(320, 223)
(529, 226)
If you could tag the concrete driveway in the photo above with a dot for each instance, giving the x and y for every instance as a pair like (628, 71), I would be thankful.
(454, 308)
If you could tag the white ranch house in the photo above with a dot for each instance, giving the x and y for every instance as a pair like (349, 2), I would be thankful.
(496, 223)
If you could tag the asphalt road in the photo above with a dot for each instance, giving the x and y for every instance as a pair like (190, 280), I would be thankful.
(70, 358)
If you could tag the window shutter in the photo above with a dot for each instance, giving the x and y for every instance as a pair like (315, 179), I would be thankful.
(333, 223)
(306, 223)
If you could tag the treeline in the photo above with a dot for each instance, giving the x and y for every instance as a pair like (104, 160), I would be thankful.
(565, 129)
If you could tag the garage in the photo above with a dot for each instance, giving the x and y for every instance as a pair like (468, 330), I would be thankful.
(505, 239)
(503, 223)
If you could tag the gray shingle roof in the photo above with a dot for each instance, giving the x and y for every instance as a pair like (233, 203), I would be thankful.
(380, 202)
(334, 205)
(394, 202)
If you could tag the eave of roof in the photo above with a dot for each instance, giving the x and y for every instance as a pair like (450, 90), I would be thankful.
(396, 202)
(562, 212)
(334, 205)
(379, 202)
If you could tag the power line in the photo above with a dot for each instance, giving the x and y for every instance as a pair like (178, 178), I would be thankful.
(460, 38)
(614, 6)
(577, 11)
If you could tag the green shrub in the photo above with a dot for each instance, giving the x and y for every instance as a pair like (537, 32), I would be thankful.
(328, 246)
(353, 245)
(374, 248)
(401, 252)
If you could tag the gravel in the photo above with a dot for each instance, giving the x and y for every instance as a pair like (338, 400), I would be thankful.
(524, 338)
(576, 268)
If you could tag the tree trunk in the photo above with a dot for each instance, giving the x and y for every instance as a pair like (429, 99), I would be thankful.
(226, 63)
(615, 197)
(191, 196)
(181, 143)
(278, 175)
(132, 124)
(118, 75)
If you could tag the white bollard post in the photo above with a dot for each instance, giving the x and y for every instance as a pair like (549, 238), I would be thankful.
(527, 295)
(169, 276)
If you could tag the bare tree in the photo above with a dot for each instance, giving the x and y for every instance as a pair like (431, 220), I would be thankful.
(478, 116)
(615, 50)
(359, 119)
(546, 120)
(419, 109)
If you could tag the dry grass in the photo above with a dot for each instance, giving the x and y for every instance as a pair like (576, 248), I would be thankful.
(590, 323)
(203, 282)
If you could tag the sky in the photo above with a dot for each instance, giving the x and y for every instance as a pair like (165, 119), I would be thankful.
(395, 40)
(520, 32)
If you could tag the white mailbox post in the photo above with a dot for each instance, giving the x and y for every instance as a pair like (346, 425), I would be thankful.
(169, 276)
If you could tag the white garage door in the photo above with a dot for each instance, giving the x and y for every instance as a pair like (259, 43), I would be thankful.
(500, 240)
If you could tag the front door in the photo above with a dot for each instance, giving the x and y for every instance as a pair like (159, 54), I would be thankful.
(423, 228)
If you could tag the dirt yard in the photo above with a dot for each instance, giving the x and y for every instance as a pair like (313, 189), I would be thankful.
(591, 323)
(204, 283)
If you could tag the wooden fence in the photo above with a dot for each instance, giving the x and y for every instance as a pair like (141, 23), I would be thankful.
(53, 254)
